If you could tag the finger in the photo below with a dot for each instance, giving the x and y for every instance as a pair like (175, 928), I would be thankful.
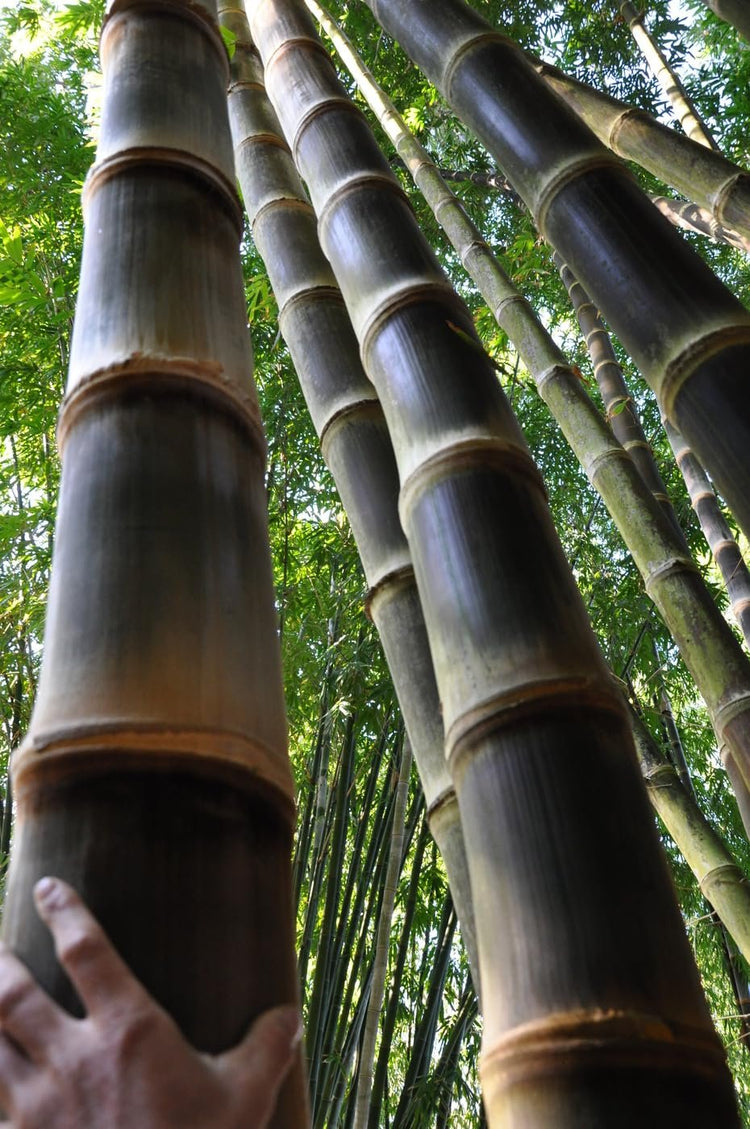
(97, 971)
(15, 1072)
(262, 1060)
(34, 1022)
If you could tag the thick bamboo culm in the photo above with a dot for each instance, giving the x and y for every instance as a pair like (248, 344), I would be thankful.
(689, 336)
(734, 12)
(682, 105)
(349, 420)
(710, 650)
(721, 540)
(708, 178)
(601, 1003)
(719, 877)
(154, 776)
(619, 406)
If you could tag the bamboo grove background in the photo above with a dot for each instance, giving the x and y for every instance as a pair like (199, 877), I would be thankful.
(348, 746)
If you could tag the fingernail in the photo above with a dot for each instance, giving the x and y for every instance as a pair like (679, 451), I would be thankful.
(45, 889)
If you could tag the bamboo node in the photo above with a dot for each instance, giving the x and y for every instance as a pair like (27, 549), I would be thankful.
(408, 294)
(476, 453)
(599, 159)
(361, 408)
(574, 1041)
(474, 40)
(717, 874)
(148, 372)
(392, 581)
(437, 804)
(725, 714)
(678, 371)
(671, 567)
(191, 10)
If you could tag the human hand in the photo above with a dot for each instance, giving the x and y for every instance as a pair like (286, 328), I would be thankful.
(126, 1065)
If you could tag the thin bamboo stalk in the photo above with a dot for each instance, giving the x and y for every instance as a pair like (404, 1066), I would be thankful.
(154, 776)
(690, 217)
(733, 12)
(710, 179)
(711, 652)
(354, 437)
(535, 732)
(721, 540)
(686, 113)
(689, 336)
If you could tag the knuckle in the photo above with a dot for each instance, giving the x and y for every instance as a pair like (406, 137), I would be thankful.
(81, 947)
(15, 990)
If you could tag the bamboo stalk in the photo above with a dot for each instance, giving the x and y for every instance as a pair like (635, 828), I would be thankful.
(354, 437)
(710, 179)
(535, 733)
(689, 217)
(689, 336)
(636, 501)
(721, 540)
(686, 113)
(154, 776)
(733, 12)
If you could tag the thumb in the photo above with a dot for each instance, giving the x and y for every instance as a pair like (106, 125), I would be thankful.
(260, 1063)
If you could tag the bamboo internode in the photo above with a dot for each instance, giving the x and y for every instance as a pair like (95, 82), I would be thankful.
(535, 731)
(688, 335)
(155, 776)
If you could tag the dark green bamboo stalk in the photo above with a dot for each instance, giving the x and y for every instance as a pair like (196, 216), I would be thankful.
(735, 12)
(686, 113)
(154, 776)
(354, 437)
(689, 336)
(637, 505)
(602, 1003)
(708, 178)
(721, 540)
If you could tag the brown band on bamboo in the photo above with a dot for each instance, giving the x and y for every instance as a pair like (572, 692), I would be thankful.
(361, 408)
(519, 703)
(575, 1041)
(190, 10)
(274, 139)
(473, 41)
(719, 874)
(702, 495)
(295, 203)
(390, 583)
(104, 748)
(572, 171)
(630, 444)
(401, 299)
(559, 371)
(310, 294)
(679, 370)
(238, 84)
(740, 605)
(481, 453)
(201, 172)
(438, 804)
(674, 566)
(153, 373)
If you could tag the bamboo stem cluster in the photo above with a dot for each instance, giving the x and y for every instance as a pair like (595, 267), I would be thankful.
(527, 704)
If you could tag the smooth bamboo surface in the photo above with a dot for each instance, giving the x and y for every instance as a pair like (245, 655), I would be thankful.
(155, 776)
(721, 540)
(634, 494)
(735, 12)
(710, 179)
(685, 111)
(354, 437)
(689, 336)
(600, 1001)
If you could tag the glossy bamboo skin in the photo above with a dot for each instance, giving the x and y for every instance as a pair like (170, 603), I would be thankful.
(694, 126)
(706, 177)
(354, 437)
(154, 776)
(572, 980)
(634, 494)
(688, 335)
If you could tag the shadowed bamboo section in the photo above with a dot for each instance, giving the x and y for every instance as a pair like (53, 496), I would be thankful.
(689, 217)
(154, 776)
(721, 540)
(734, 12)
(354, 437)
(604, 1007)
(632, 491)
(687, 115)
(708, 178)
(687, 333)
